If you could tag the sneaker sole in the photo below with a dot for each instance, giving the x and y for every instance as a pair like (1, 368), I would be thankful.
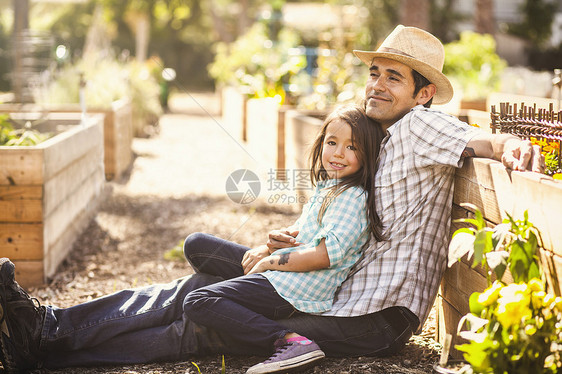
(298, 363)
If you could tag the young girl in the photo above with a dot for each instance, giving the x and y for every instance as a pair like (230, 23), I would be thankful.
(333, 228)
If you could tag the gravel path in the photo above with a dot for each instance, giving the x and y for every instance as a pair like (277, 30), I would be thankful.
(176, 186)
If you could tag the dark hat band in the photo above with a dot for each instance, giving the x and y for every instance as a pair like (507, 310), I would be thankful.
(395, 51)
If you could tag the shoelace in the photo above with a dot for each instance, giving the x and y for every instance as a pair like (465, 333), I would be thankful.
(21, 292)
(279, 350)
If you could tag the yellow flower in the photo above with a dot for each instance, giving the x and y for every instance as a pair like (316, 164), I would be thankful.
(530, 330)
(513, 305)
(557, 176)
(537, 299)
(490, 295)
(536, 284)
(558, 303)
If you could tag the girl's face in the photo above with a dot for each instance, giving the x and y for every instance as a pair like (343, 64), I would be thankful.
(339, 156)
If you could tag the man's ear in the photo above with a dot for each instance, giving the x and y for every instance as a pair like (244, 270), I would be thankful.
(425, 94)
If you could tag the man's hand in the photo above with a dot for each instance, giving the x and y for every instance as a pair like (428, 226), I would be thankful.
(522, 155)
(282, 239)
(253, 256)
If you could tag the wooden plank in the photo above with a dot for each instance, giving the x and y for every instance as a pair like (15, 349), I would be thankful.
(448, 320)
(123, 124)
(542, 197)
(281, 142)
(474, 183)
(300, 131)
(30, 273)
(59, 246)
(15, 211)
(552, 267)
(20, 203)
(21, 241)
(71, 145)
(21, 192)
(21, 165)
(67, 181)
(109, 142)
(62, 217)
(261, 125)
(459, 282)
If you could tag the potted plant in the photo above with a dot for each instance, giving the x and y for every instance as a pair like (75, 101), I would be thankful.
(511, 328)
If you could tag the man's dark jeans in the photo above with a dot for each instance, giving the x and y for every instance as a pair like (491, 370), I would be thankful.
(149, 324)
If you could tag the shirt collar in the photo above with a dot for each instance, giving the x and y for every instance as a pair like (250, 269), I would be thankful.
(391, 129)
(328, 183)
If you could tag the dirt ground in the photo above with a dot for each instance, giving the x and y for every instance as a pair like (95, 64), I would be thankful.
(176, 186)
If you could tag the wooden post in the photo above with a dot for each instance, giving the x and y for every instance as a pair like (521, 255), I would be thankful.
(21, 23)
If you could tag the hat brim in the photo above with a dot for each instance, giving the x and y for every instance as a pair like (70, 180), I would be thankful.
(444, 92)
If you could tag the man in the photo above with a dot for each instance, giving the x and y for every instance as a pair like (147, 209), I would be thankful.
(386, 298)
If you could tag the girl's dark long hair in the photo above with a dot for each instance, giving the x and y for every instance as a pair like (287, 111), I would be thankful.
(367, 136)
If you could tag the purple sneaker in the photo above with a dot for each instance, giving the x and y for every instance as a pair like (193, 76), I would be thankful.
(289, 356)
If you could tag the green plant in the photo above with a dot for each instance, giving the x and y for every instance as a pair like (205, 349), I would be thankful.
(537, 18)
(175, 253)
(19, 137)
(473, 64)
(513, 328)
(223, 366)
(105, 80)
(257, 63)
(338, 80)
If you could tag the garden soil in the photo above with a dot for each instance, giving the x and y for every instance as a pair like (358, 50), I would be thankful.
(176, 186)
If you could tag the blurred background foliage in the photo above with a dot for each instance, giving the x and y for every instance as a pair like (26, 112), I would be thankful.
(224, 41)
(473, 65)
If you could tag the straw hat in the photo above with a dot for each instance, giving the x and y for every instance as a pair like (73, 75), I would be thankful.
(419, 50)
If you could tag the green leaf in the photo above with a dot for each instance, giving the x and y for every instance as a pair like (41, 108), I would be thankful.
(476, 354)
(497, 261)
(518, 261)
(461, 244)
(500, 232)
(482, 245)
(475, 307)
(479, 219)
(531, 245)
(534, 271)
(471, 221)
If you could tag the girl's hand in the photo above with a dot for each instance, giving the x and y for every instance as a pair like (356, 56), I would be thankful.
(282, 239)
(252, 256)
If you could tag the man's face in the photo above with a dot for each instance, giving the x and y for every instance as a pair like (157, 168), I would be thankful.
(389, 91)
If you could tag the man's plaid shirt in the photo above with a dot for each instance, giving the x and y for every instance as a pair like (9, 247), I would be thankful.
(414, 201)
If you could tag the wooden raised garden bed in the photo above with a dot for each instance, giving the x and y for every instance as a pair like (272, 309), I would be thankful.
(48, 193)
(498, 192)
(117, 130)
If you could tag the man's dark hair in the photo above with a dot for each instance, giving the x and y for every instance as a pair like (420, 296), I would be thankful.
(420, 82)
